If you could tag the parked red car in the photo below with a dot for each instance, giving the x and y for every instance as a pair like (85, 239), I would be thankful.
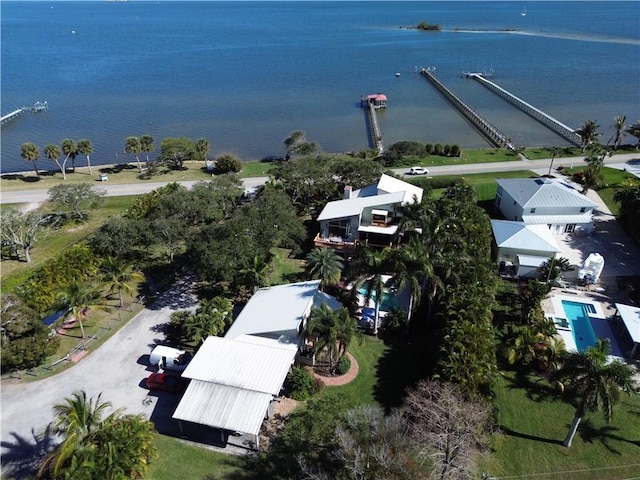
(166, 382)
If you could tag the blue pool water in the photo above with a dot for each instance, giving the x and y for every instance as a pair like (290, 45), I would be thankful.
(578, 315)
(389, 299)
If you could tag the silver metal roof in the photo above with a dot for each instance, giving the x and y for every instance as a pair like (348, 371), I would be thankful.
(275, 309)
(631, 318)
(239, 364)
(557, 219)
(518, 235)
(222, 406)
(543, 192)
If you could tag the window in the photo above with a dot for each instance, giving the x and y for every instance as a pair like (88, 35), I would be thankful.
(498, 199)
(569, 228)
(583, 209)
(533, 210)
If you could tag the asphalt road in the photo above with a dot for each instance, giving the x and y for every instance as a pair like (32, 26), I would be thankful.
(630, 162)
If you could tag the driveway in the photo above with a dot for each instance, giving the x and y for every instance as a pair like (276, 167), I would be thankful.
(116, 369)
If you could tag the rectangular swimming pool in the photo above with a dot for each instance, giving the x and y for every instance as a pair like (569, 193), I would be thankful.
(578, 315)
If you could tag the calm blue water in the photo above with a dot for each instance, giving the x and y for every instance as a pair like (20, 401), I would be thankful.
(246, 74)
(389, 299)
(581, 328)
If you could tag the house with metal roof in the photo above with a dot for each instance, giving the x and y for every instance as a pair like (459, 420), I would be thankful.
(545, 201)
(368, 215)
(524, 247)
(234, 378)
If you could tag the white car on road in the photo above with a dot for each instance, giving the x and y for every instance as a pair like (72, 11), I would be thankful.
(418, 171)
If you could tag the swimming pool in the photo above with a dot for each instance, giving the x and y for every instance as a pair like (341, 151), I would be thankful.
(578, 315)
(389, 299)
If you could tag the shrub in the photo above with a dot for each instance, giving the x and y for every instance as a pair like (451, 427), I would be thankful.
(455, 151)
(228, 163)
(447, 150)
(408, 147)
(344, 364)
(428, 148)
(437, 149)
(300, 384)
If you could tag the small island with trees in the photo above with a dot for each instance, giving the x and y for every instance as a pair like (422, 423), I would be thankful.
(428, 26)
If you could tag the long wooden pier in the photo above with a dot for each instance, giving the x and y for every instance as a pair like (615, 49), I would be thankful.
(37, 107)
(548, 121)
(373, 103)
(491, 133)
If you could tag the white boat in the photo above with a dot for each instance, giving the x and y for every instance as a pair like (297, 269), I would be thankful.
(397, 74)
(524, 12)
(592, 268)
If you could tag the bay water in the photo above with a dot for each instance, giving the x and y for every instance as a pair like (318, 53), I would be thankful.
(244, 75)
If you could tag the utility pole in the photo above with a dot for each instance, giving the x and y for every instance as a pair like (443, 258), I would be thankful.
(554, 151)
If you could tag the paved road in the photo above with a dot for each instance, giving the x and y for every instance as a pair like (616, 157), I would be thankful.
(630, 162)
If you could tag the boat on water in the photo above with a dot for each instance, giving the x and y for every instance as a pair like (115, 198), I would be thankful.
(524, 12)
(397, 74)
(591, 268)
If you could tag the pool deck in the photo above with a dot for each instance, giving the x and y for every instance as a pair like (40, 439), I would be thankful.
(604, 309)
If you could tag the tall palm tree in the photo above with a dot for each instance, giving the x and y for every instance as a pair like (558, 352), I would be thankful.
(369, 269)
(595, 383)
(321, 326)
(202, 148)
(588, 131)
(257, 273)
(119, 277)
(132, 147)
(79, 297)
(75, 419)
(30, 152)
(346, 330)
(85, 147)
(324, 263)
(52, 152)
(620, 128)
(146, 145)
(70, 149)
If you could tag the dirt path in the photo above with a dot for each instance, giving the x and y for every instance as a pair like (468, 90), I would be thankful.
(342, 379)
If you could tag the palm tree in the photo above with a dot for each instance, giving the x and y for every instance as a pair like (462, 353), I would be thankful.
(76, 418)
(119, 277)
(588, 131)
(146, 145)
(346, 330)
(257, 273)
(30, 152)
(52, 152)
(321, 326)
(132, 147)
(85, 147)
(620, 127)
(70, 149)
(523, 348)
(634, 131)
(202, 148)
(595, 383)
(325, 264)
(369, 268)
(78, 297)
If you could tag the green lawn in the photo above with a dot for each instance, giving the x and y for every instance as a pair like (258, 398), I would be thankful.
(286, 269)
(180, 461)
(534, 421)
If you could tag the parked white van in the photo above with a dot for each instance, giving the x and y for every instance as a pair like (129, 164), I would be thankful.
(168, 358)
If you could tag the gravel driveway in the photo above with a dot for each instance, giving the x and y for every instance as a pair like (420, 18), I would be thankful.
(116, 369)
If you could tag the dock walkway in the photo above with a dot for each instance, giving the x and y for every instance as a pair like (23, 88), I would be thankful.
(373, 103)
(37, 107)
(491, 133)
(548, 121)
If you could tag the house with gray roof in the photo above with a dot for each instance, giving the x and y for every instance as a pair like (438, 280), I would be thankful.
(521, 246)
(368, 215)
(551, 202)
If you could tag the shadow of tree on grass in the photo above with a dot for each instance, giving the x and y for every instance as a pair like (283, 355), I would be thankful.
(604, 434)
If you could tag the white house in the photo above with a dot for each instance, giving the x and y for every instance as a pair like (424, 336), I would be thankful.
(368, 215)
(525, 247)
(235, 378)
(545, 201)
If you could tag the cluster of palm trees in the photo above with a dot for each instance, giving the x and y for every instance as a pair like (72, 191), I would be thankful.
(137, 145)
(588, 131)
(69, 148)
(79, 297)
(93, 445)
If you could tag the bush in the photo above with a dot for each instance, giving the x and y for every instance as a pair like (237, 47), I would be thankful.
(228, 163)
(437, 149)
(300, 384)
(408, 148)
(455, 151)
(344, 364)
(447, 150)
(428, 148)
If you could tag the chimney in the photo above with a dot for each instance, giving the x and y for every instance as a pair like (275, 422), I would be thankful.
(347, 192)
